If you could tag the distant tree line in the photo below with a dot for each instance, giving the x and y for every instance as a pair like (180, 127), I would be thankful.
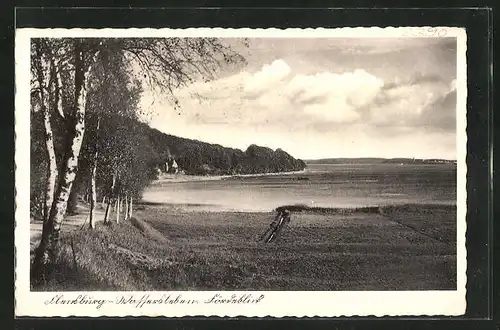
(200, 158)
(374, 161)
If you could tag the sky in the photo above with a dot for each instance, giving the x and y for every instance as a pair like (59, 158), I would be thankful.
(324, 98)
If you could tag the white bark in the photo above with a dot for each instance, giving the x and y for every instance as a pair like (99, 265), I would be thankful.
(126, 207)
(58, 84)
(130, 206)
(108, 206)
(52, 165)
(93, 198)
(107, 212)
(69, 171)
(42, 68)
(118, 204)
(50, 233)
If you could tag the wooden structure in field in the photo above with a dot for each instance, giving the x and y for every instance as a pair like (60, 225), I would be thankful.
(271, 234)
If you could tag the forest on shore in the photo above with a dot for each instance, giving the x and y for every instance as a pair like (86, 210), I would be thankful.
(146, 150)
(200, 158)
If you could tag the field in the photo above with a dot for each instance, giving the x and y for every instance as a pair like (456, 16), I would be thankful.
(408, 247)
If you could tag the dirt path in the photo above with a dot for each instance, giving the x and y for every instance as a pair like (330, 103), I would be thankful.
(71, 222)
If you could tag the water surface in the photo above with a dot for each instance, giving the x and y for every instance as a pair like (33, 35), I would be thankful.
(336, 185)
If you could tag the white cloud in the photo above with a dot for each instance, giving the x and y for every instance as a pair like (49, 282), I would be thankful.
(405, 103)
(335, 110)
(334, 97)
(358, 86)
(273, 94)
(341, 111)
(267, 76)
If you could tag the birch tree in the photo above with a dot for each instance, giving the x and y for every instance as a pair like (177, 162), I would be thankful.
(43, 68)
(113, 94)
(83, 59)
(164, 64)
(93, 187)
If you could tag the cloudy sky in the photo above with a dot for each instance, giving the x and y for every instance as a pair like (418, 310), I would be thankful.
(328, 97)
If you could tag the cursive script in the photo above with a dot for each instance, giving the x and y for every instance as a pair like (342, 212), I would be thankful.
(147, 299)
(234, 299)
(81, 299)
(159, 299)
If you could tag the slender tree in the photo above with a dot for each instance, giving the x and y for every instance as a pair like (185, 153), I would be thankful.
(43, 67)
(93, 188)
(108, 205)
(52, 227)
(118, 208)
(164, 63)
(114, 95)
(130, 208)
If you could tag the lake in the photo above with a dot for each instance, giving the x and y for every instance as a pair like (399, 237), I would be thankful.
(339, 185)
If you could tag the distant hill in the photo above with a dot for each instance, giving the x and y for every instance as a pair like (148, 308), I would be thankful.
(201, 158)
(369, 160)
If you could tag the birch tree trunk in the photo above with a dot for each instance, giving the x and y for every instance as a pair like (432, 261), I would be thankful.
(108, 211)
(41, 67)
(130, 206)
(51, 231)
(52, 166)
(58, 84)
(93, 192)
(118, 209)
(126, 207)
(92, 199)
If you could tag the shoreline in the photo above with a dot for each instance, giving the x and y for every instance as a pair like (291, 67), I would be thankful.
(145, 208)
(144, 205)
(178, 178)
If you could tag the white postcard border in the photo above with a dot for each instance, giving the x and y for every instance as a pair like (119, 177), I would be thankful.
(274, 303)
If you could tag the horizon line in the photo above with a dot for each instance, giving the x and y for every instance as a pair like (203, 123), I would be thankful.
(373, 157)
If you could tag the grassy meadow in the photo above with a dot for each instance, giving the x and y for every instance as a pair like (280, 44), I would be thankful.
(408, 247)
